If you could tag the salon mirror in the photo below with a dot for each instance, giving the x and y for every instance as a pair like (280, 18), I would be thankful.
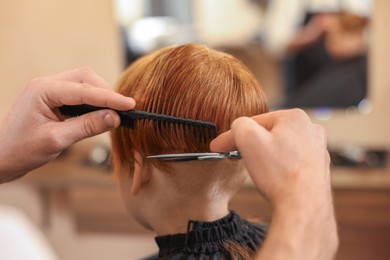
(321, 48)
(328, 71)
(324, 64)
(352, 110)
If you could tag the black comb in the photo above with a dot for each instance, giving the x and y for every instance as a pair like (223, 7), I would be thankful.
(202, 129)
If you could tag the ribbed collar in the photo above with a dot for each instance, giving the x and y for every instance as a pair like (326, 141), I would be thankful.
(208, 237)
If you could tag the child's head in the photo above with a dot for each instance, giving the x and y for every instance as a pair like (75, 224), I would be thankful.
(189, 81)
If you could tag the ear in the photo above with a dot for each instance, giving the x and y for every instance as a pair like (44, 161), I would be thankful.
(141, 173)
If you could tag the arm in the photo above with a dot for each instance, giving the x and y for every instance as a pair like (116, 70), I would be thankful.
(33, 132)
(302, 229)
(308, 35)
(282, 20)
(287, 159)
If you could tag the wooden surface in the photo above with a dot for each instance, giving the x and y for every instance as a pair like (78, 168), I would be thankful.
(363, 217)
(100, 209)
(362, 203)
(72, 169)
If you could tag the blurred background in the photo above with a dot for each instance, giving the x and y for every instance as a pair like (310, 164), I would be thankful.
(327, 57)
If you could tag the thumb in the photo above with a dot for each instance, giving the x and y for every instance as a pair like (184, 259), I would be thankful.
(90, 124)
(252, 141)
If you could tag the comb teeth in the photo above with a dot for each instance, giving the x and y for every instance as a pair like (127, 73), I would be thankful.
(201, 130)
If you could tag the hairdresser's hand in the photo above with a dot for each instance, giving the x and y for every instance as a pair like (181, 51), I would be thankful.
(33, 132)
(287, 159)
(283, 151)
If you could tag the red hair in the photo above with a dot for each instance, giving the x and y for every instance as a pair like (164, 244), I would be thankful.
(189, 81)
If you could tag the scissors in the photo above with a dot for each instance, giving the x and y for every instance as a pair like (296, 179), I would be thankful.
(181, 157)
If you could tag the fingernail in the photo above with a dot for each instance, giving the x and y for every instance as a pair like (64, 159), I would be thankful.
(109, 121)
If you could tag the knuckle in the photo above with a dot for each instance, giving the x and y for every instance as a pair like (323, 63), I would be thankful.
(36, 88)
(87, 71)
(90, 128)
(320, 128)
(321, 132)
(244, 129)
(36, 83)
(298, 118)
(299, 113)
(236, 121)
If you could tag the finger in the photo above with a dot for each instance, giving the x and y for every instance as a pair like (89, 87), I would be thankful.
(252, 140)
(273, 119)
(225, 141)
(82, 75)
(249, 136)
(321, 134)
(58, 93)
(91, 124)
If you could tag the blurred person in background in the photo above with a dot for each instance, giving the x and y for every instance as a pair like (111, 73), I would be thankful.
(323, 47)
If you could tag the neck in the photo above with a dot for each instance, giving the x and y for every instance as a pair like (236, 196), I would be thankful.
(169, 213)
